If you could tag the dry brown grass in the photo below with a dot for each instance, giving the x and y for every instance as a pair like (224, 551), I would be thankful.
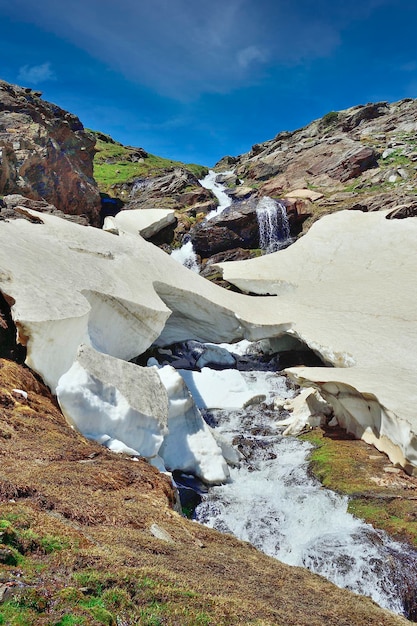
(55, 484)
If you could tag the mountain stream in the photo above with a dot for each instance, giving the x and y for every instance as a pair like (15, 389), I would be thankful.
(273, 502)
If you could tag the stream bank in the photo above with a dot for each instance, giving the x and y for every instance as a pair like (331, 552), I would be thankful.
(381, 494)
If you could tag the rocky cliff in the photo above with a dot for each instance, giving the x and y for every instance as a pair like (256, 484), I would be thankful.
(45, 153)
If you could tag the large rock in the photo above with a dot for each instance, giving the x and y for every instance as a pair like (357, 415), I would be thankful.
(349, 165)
(236, 227)
(45, 153)
(349, 289)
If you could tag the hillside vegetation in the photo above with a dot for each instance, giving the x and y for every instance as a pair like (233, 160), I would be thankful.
(115, 164)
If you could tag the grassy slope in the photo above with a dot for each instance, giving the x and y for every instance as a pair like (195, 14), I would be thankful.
(77, 547)
(122, 169)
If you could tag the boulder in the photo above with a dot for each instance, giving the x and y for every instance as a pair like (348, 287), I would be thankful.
(45, 153)
(235, 227)
(175, 189)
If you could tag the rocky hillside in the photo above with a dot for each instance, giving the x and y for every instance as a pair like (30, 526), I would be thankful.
(362, 158)
(45, 154)
(131, 178)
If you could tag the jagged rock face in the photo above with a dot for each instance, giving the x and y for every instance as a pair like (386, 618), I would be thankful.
(45, 153)
(14, 206)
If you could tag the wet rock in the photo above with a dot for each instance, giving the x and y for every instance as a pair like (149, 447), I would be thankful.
(236, 227)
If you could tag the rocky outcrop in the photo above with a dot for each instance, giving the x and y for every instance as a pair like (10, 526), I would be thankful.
(237, 228)
(174, 189)
(45, 153)
(15, 207)
(350, 165)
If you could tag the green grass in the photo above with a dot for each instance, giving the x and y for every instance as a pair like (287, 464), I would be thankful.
(396, 158)
(121, 169)
(344, 467)
(360, 188)
(330, 119)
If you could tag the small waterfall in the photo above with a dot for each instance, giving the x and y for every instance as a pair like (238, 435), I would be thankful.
(274, 227)
(209, 182)
(186, 255)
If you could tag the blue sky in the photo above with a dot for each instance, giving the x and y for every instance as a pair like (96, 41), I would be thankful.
(195, 80)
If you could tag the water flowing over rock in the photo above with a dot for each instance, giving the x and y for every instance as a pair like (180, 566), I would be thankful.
(274, 226)
(45, 153)
(272, 502)
(174, 189)
(186, 255)
(358, 158)
(212, 182)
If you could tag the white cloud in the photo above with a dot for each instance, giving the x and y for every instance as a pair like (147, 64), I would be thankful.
(250, 54)
(35, 74)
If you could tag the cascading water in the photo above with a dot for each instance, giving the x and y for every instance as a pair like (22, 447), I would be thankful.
(218, 189)
(186, 255)
(272, 502)
(274, 227)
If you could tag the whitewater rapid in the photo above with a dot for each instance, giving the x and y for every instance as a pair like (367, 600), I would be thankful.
(272, 501)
